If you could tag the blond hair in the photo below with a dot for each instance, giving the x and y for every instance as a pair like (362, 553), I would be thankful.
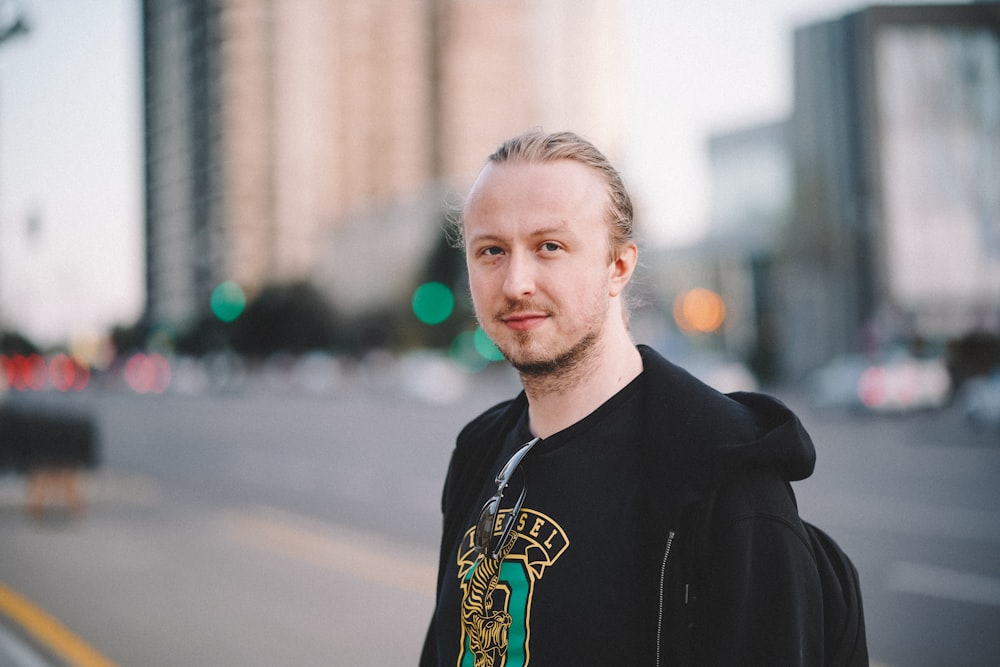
(536, 146)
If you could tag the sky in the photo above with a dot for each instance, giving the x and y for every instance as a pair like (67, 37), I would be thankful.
(70, 170)
(70, 139)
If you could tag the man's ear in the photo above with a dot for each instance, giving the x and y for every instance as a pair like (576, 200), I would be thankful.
(623, 267)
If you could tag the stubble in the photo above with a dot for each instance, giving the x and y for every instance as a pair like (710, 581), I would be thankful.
(552, 370)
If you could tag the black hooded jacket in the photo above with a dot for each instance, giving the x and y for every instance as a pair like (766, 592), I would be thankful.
(730, 578)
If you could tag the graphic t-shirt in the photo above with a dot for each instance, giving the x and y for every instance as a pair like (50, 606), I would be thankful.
(566, 591)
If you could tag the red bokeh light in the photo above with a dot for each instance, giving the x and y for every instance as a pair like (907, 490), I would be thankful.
(65, 374)
(147, 373)
(25, 372)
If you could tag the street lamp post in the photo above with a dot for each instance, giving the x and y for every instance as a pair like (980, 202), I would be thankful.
(13, 23)
(16, 25)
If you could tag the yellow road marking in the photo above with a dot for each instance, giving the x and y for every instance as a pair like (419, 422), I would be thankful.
(352, 552)
(49, 632)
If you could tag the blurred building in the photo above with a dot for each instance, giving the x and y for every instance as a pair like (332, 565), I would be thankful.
(752, 185)
(896, 156)
(319, 139)
(751, 196)
(872, 216)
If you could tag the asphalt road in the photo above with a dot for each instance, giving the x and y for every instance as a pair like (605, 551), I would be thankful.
(262, 529)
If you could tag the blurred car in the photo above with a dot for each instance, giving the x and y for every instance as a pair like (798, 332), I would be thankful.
(898, 383)
(980, 401)
(905, 383)
(835, 384)
(432, 377)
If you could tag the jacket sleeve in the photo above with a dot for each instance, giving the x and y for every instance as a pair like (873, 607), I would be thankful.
(761, 599)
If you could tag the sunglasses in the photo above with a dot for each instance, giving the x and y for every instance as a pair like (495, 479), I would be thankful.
(488, 543)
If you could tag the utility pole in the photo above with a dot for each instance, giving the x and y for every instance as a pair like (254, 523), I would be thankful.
(12, 24)
(12, 21)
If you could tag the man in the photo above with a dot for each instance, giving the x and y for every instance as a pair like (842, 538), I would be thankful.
(618, 511)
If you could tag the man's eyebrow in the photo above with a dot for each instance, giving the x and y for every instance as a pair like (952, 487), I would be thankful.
(562, 228)
(481, 238)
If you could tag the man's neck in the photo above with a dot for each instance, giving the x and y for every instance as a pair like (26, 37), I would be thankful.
(558, 401)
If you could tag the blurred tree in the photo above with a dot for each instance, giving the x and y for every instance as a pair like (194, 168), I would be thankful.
(977, 353)
(13, 342)
(293, 318)
(446, 265)
(209, 334)
(126, 339)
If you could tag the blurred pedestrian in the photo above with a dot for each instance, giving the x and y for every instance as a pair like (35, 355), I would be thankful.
(633, 515)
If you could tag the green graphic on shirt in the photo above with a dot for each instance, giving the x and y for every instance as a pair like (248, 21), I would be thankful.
(504, 635)
(497, 595)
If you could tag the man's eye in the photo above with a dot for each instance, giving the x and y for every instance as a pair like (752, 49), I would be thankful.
(550, 246)
(492, 251)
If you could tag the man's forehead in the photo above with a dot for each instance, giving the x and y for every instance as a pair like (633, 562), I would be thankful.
(553, 182)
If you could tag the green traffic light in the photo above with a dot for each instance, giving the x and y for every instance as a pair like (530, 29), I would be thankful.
(228, 301)
(433, 303)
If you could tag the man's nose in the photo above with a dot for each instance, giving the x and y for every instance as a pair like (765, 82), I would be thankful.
(519, 281)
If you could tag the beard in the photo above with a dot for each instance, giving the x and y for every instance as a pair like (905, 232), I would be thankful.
(561, 364)
(553, 362)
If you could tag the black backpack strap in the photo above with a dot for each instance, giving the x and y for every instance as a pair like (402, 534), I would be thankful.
(844, 643)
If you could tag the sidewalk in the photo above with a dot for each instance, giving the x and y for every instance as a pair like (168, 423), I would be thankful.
(30, 637)
(17, 651)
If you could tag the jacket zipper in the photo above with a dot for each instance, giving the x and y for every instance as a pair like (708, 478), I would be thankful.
(663, 580)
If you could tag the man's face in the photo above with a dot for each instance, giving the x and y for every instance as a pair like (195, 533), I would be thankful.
(538, 258)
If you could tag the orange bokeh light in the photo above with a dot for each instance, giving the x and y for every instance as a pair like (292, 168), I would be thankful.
(699, 310)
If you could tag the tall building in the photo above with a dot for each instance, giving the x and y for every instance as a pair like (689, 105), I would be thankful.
(895, 140)
(297, 139)
(870, 217)
(751, 184)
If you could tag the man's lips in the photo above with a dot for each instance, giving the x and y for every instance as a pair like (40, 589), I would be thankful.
(523, 321)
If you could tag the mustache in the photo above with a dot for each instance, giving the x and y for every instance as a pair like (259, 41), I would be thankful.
(516, 307)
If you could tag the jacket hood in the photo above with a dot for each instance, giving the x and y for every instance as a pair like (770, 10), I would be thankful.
(700, 436)
(783, 443)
